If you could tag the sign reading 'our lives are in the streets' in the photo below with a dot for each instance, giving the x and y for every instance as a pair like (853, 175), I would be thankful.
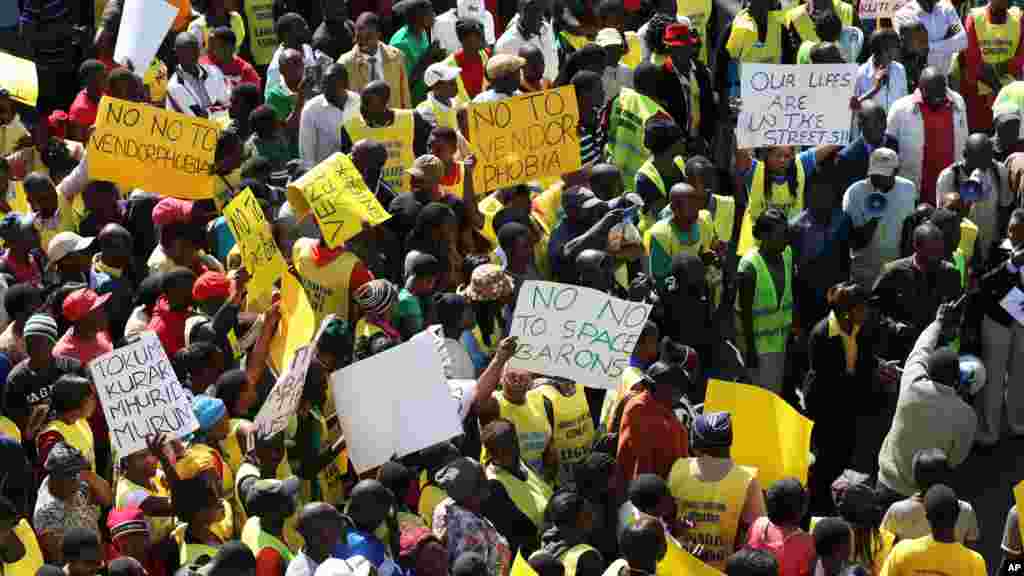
(795, 105)
(140, 395)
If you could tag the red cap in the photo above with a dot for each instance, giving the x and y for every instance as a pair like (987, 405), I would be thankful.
(82, 301)
(210, 285)
(678, 34)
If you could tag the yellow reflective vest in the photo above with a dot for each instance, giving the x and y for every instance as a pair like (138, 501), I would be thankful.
(773, 315)
(573, 434)
(626, 124)
(397, 138)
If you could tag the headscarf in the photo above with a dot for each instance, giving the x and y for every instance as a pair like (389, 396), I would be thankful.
(713, 430)
(376, 296)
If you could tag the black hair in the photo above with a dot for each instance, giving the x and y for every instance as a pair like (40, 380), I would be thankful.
(89, 69)
(606, 8)
(646, 491)
(509, 233)
(79, 540)
(655, 36)
(5, 166)
(190, 496)
(769, 218)
(881, 38)
(1017, 215)
(930, 466)
(585, 81)
(465, 26)
(944, 217)
(149, 291)
(287, 23)
(228, 137)
(785, 501)
(229, 388)
(697, 164)
(262, 121)
(226, 34)
(645, 78)
(827, 25)
(826, 53)
(751, 562)
(546, 564)
(941, 507)
(586, 57)
(375, 344)
(194, 356)
(21, 301)
(445, 133)
(564, 509)
(830, 533)
(661, 134)
(922, 212)
(69, 392)
(641, 543)
(36, 181)
(57, 158)
(376, 88)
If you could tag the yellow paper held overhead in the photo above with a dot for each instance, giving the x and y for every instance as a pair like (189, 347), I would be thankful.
(19, 78)
(339, 199)
(297, 325)
(139, 146)
(1018, 499)
(524, 138)
(766, 431)
(260, 255)
(520, 567)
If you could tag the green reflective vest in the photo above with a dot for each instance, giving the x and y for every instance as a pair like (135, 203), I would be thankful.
(625, 146)
(773, 316)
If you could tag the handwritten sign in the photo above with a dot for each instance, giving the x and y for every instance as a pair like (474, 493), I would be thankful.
(575, 332)
(524, 138)
(768, 433)
(141, 395)
(297, 325)
(879, 8)
(406, 407)
(19, 78)
(139, 146)
(262, 38)
(260, 254)
(339, 199)
(284, 397)
(788, 105)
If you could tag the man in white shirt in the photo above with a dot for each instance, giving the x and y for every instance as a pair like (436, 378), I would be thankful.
(196, 89)
(877, 207)
(443, 31)
(319, 136)
(616, 75)
(946, 35)
(529, 27)
(293, 32)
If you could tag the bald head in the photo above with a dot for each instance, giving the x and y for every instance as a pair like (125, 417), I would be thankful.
(186, 39)
(376, 89)
(978, 151)
(186, 48)
(369, 157)
(933, 86)
(872, 120)
(316, 516)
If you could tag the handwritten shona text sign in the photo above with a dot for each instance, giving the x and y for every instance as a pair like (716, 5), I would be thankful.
(140, 395)
(786, 105)
(524, 138)
(139, 146)
(575, 332)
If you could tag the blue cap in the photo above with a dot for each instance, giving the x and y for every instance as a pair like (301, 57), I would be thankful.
(208, 411)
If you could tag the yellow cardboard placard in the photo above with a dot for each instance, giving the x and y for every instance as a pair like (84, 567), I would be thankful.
(767, 432)
(19, 78)
(260, 255)
(339, 199)
(297, 325)
(139, 146)
(524, 138)
(1018, 499)
(259, 14)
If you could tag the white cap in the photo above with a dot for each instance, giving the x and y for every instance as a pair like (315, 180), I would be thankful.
(66, 243)
(440, 72)
(354, 566)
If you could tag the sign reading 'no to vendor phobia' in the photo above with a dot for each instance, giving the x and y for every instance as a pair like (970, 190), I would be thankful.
(575, 332)
(524, 138)
(789, 105)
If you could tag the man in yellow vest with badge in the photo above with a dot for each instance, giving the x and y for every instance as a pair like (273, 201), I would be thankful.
(627, 120)
(992, 60)
(688, 229)
(764, 302)
(393, 128)
(720, 498)
(572, 428)
(270, 503)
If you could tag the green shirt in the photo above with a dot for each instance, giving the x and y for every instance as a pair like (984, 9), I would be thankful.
(282, 101)
(414, 47)
(409, 307)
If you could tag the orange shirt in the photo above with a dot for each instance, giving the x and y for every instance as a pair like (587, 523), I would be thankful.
(651, 439)
(184, 14)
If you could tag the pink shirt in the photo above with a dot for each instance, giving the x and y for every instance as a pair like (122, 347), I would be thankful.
(81, 349)
(794, 551)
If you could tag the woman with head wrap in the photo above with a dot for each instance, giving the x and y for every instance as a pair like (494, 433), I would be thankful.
(203, 455)
(569, 520)
(490, 289)
(376, 300)
(458, 520)
(712, 478)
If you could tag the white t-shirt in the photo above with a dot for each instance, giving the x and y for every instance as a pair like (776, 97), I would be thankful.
(444, 29)
(906, 519)
(884, 247)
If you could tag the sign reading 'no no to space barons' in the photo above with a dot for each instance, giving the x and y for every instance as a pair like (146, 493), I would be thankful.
(787, 105)
(524, 138)
(575, 332)
(334, 190)
(140, 146)
(141, 395)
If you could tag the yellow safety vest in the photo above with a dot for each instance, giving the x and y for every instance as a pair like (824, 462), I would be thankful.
(801, 21)
(159, 526)
(779, 197)
(192, 553)
(724, 216)
(530, 496)
(997, 42)
(229, 447)
(573, 434)
(713, 507)
(634, 50)
(744, 44)
(626, 124)
(571, 557)
(237, 26)
(773, 316)
(262, 38)
(531, 426)
(256, 539)
(78, 435)
(648, 217)
(226, 527)
(292, 537)
(327, 287)
(664, 232)
(445, 118)
(332, 477)
(397, 138)
(698, 11)
(32, 561)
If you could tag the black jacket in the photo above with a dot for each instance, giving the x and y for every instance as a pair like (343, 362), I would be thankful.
(994, 286)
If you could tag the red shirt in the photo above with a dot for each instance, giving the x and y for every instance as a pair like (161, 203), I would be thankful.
(938, 145)
(169, 326)
(83, 110)
(651, 439)
(472, 73)
(269, 563)
(236, 72)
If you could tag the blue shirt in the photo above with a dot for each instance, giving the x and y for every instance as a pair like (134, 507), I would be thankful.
(360, 543)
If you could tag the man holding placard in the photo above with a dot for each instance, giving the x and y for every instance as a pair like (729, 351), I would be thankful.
(394, 128)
